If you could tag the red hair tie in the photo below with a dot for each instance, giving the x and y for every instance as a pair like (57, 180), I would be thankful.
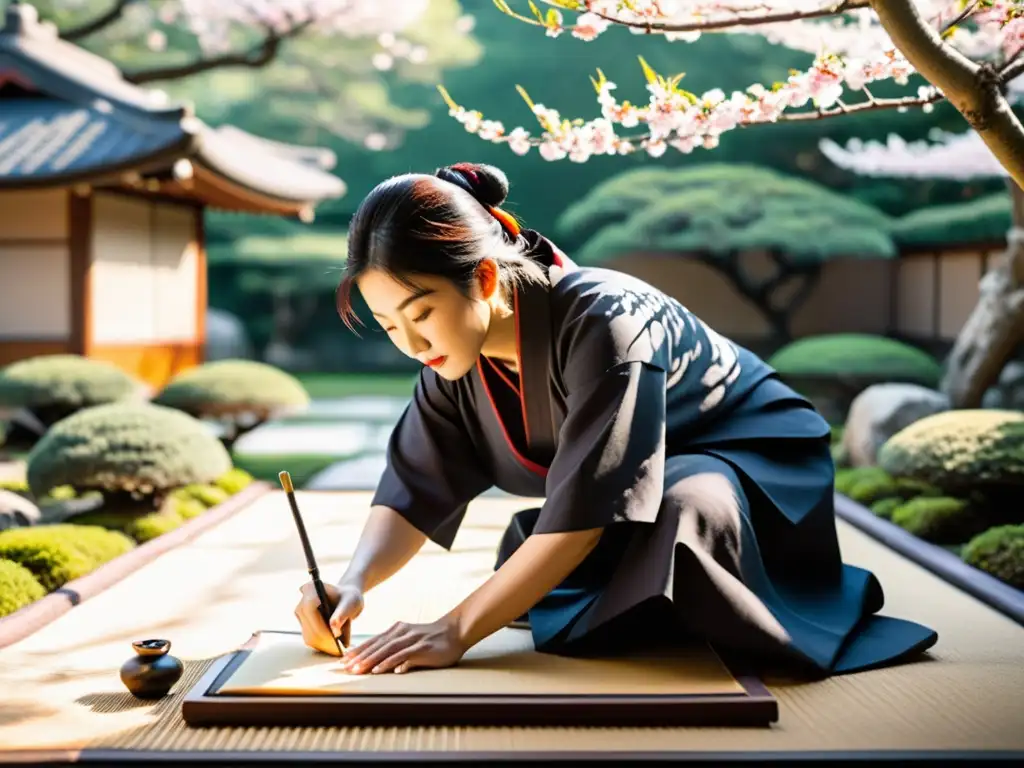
(506, 220)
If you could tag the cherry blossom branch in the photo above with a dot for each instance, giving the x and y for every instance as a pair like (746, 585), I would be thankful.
(974, 89)
(102, 21)
(258, 56)
(834, 8)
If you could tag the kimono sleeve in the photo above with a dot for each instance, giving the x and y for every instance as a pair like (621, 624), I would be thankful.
(610, 462)
(433, 470)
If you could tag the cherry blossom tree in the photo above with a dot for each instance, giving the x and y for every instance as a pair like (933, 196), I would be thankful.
(996, 325)
(294, 67)
(967, 51)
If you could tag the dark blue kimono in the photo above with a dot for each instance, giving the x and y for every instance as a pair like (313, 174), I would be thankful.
(712, 479)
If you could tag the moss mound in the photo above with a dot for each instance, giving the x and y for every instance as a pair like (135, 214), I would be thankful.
(854, 355)
(959, 450)
(234, 480)
(940, 520)
(885, 507)
(131, 447)
(207, 495)
(54, 386)
(228, 387)
(57, 554)
(999, 552)
(18, 587)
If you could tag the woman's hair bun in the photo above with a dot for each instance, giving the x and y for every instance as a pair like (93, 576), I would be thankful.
(486, 183)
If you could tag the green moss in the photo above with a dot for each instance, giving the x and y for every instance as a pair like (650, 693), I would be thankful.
(188, 507)
(137, 521)
(999, 552)
(57, 554)
(64, 383)
(207, 495)
(18, 587)
(131, 447)
(939, 520)
(15, 486)
(885, 507)
(959, 450)
(856, 355)
(846, 478)
(910, 488)
(233, 386)
(234, 480)
(871, 489)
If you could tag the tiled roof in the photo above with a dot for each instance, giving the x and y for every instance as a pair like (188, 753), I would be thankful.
(47, 140)
(81, 119)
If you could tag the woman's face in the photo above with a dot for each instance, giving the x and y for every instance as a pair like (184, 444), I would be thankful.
(436, 325)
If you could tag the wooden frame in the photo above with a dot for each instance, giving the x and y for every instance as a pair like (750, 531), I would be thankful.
(204, 706)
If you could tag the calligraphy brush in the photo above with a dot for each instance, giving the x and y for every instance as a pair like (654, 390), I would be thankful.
(314, 571)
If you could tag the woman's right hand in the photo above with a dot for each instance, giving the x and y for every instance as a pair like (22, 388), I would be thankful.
(347, 603)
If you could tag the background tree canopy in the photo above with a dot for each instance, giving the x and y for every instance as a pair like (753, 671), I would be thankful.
(717, 213)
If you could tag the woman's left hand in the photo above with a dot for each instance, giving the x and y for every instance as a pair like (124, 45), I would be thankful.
(407, 646)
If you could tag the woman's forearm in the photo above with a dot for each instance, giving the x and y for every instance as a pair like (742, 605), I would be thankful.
(539, 565)
(387, 543)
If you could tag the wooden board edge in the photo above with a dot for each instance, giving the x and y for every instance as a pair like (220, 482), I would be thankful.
(202, 708)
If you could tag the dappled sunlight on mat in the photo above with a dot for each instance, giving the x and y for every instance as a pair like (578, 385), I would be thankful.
(502, 664)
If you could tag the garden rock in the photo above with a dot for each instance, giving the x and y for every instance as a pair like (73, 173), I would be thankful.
(1008, 392)
(882, 410)
(16, 511)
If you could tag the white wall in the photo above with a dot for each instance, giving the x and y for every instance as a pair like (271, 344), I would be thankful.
(143, 272)
(35, 292)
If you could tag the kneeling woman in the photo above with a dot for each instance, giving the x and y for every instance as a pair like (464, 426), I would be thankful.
(687, 491)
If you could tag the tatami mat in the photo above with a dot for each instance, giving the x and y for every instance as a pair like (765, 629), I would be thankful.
(61, 688)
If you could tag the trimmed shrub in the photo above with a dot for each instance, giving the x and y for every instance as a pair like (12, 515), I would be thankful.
(854, 355)
(18, 587)
(999, 552)
(126, 447)
(55, 386)
(885, 507)
(940, 520)
(231, 387)
(959, 450)
(57, 554)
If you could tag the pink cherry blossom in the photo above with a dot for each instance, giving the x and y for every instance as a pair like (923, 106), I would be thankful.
(851, 52)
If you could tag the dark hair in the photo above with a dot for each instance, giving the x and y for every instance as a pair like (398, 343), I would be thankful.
(443, 224)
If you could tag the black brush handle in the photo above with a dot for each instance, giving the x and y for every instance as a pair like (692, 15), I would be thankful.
(314, 571)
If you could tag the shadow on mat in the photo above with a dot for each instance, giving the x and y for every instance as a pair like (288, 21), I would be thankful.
(13, 713)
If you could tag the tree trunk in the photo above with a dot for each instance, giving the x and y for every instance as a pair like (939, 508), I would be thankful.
(996, 326)
(974, 89)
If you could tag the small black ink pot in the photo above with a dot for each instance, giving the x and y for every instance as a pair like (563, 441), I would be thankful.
(151, 673)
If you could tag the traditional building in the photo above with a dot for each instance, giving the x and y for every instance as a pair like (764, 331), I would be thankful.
(103, 188)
